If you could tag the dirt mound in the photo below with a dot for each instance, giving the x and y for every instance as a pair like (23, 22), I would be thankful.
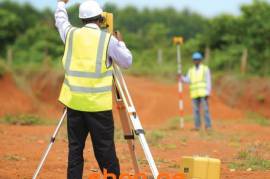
(40, 99)
(251, 94)
(156, 102)
(13, 101)
(46, 87)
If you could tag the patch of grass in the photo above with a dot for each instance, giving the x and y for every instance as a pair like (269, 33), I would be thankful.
(161, 161)
(255, 118)
(13, 158)
(169, 146)
(142, 162)
(24, 120)
(260, 98)
(174, 123)
(166, 72)
(212, 135)
(175, 166)
(184, 139)
(235, 141)
(155, 137)
(243, 155)
(246, 160)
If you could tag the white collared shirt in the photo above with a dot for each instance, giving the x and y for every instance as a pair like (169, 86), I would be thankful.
(117, 50)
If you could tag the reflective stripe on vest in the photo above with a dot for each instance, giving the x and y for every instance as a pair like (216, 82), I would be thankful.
(97, 73)
(86, 88)
(198, 82)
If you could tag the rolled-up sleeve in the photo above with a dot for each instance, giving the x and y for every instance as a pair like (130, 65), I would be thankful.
(61, 20)
(119, 53)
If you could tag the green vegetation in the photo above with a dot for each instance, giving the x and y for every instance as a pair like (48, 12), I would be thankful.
(175, 166)
(155, 137)
(3, 68)
(174, 123)
(31, 35)
(13, 158)
(25, 120)
(247, 160)
(169, 146)
(255, 118)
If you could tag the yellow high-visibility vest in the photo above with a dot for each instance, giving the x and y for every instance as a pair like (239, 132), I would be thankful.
(198, 81)
(88, 82)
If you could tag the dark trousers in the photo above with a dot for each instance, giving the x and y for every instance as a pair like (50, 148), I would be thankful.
(100, 125)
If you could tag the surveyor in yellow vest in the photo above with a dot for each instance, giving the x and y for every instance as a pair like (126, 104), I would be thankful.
(87, 87)
(199, 80)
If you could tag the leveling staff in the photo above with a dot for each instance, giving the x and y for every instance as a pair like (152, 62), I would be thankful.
(87, 88)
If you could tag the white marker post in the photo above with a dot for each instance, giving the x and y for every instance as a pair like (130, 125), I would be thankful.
(178, 41)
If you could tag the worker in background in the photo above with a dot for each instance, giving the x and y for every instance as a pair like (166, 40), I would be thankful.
(87, 88)
(199, 78)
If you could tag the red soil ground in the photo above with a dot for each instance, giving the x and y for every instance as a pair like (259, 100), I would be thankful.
(21, 146)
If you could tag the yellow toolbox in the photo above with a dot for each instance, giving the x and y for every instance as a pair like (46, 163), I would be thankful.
(200, 167)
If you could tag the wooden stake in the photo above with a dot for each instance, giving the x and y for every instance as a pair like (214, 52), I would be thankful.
(244, 61)
(9, 56)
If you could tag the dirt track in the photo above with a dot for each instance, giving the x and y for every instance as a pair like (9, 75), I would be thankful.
(21, 146)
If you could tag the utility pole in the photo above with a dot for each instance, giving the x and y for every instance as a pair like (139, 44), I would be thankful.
(178, 41)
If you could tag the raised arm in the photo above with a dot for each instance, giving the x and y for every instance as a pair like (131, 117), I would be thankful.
(61, 19)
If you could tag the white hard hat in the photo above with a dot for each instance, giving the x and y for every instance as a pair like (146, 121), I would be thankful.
(89, 9)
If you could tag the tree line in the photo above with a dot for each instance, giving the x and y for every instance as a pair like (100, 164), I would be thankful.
(31, 35)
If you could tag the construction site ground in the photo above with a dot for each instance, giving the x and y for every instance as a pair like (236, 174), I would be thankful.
(236, 136)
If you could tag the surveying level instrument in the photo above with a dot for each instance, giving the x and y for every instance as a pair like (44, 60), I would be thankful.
(178, 40)
(107, 23)
(128, 115)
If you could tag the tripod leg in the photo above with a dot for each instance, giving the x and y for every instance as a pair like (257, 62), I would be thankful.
(140, 133)
(122, 95)
(129, 136)
(148, 155)
(50, 145)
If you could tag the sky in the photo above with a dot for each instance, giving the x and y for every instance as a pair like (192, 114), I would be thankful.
(208, 8)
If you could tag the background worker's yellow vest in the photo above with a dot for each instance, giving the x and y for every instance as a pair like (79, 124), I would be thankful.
(198, 81)
(88, 83)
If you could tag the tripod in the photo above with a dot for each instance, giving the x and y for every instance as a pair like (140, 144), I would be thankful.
(130, 123)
